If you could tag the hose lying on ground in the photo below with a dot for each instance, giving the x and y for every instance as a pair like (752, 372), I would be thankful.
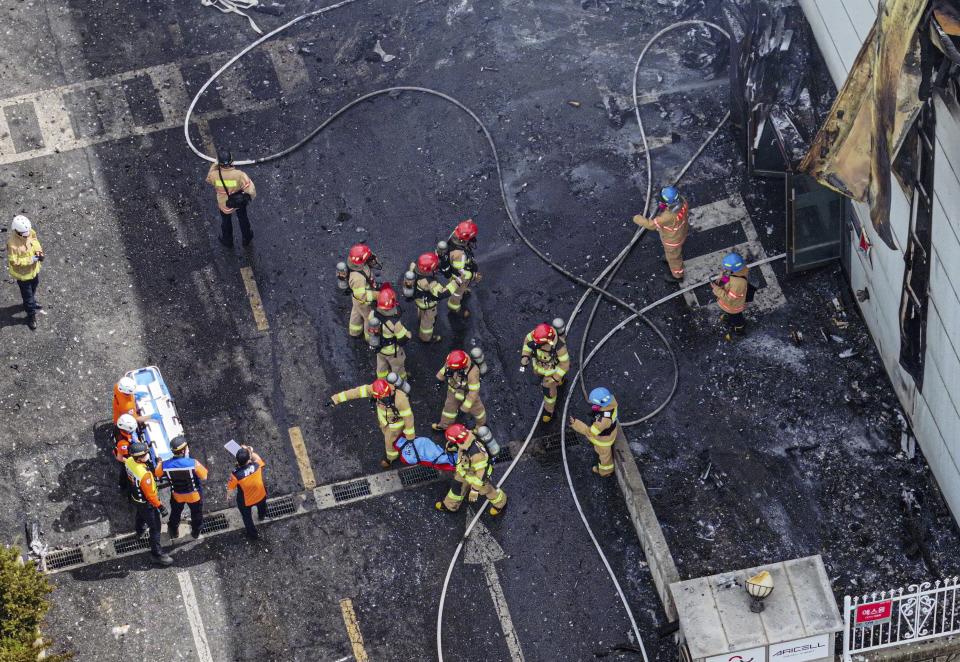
(592, 286)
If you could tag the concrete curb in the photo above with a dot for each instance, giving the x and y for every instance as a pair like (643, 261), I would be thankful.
(644, 519)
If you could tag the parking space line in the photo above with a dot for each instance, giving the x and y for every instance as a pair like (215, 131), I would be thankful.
(193, 616)
(353, 630)
(253, 294)
(303, 460)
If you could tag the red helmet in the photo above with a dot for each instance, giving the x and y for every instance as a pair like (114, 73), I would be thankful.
(457, 433)
(544, 333)
(381, 388)
(428, 263)
(466, 231)
(386, 299)
(360, 254)
(457, 360)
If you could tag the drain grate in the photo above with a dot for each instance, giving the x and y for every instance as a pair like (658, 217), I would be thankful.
(551, 442)
(63, 558)
(129, 544)
(417, 475)
(212, 523)
(283, 506)
(352, 490)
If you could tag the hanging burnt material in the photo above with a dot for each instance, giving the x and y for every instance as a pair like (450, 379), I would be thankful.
(771, 88)
(872, 114)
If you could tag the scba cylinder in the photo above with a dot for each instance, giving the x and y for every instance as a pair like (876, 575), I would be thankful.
(486, 436)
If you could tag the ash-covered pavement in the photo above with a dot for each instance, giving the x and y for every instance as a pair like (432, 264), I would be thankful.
(135, 276)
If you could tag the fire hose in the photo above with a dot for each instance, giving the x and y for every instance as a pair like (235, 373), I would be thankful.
(592, 287)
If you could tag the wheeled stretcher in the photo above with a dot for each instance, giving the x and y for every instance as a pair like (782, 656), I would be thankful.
(153, 397)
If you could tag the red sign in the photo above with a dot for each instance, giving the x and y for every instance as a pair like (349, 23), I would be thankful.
(873, 613)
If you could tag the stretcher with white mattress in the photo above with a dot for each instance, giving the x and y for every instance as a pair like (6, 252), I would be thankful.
(153, 397)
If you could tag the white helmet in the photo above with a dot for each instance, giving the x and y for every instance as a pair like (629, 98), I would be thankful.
(21, 225)
(127, 385)
(127, 423)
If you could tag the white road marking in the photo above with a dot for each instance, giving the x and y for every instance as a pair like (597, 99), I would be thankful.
(193, 616)
(717, 214)
(482, 549)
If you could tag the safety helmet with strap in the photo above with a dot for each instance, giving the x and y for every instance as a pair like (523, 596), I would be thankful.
(465, 232)
(381, 389)
(733, 261)
(127, 385)
(544, 333)
(386, 299)
(21, 225)
(178, 444)
(457, 434)
(359, 255)
(428, 263)
(138, 450)
(127, 423)
(458, 360)
(600, 397)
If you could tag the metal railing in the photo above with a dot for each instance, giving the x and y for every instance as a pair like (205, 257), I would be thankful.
(900, 617)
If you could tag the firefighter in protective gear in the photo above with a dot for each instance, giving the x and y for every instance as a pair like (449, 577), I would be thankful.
(226, 180)
(143, 492)
(551, 362)
(672, 224)
(427, 293)
(463, 390)
(186, 490)
(602, 431)
(124, 401)
(462, 269)
(393, 414)
(363, 287)
(473, 473)
(731, 292)
(391, 356)
(24, 255)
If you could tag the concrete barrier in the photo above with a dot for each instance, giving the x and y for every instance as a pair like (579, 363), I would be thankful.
(652, 540)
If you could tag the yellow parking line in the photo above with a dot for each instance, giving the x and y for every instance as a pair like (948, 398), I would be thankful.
(253, 294)
(353, 630)
(303, 460)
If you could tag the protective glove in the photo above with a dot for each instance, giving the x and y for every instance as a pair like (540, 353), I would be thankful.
(157, 416)
(163, 510)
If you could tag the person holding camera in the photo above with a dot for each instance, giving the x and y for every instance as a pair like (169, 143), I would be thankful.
(24, 255)
(234, 190)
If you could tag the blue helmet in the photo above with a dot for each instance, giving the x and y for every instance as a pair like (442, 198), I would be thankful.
(600, 396)
(669, 194)
(733, 262)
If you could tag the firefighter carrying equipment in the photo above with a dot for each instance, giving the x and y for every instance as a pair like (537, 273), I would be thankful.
(184, 474)
(671, 222)
(427, 293)
(226, 181)
(872, 115)
(143, 489)
(731, 291)
(425, 451)
(385, 325)
(602, 431)
(362, 287)
(463, 390)
(473, 471)
(551, 362)
(394, 414)
(462, 268)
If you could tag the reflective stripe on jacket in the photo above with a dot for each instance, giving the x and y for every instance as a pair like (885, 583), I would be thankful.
(235, 179)
(141, 480)
(462, 383)
(185, 475)
(732, 295)
(392, 331)
(360, 282)
(672, 225)
(549, 360)
(249, 478)
(473, 463)
(20, 255)
(398, 416)
(427, 292)
(603, 431)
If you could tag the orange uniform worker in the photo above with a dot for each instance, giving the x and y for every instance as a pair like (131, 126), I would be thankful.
(473, 473)
(125, 434)
(143, 493)
(124, 401)
(186, 490)
(732, 291)
(671, 223)
(394, 414)
(247, 479)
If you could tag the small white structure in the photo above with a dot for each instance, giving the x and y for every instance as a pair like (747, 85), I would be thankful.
(799, 621)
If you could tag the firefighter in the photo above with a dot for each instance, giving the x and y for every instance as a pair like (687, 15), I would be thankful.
(427, 292)
(602, 432)
(234, 190)
(671, 222)
(363, 287)
(125, 434)
(124, 401)
(731, 290)
(473, 473)
(143, 492)
(551, 362)
(186, 490)
(393, 414)
(247, 479)
(391, 356)
(460, 266)
(463, 390)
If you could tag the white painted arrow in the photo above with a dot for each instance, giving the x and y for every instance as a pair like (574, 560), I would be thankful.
(482, 549)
